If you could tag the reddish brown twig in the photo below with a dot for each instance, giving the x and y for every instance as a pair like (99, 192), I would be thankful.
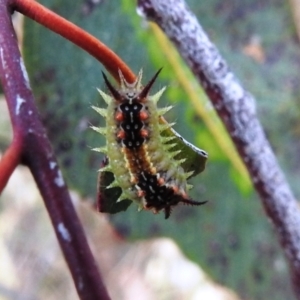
(76, 35)
(10, 160)
(32, 147)
(236, 107)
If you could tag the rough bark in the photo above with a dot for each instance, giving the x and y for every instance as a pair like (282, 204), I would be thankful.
(236, 107)
(36, 152)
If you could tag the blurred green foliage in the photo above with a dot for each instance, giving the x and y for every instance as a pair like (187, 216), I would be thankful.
(230, 236)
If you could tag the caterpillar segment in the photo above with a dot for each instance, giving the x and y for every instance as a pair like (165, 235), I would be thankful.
(142, 160)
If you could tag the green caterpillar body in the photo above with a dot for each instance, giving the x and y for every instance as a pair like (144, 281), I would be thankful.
(139, 156)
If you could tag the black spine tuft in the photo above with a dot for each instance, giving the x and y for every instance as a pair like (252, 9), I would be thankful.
(112, 90)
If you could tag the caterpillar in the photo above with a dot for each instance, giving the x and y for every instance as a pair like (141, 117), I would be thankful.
(138, 153)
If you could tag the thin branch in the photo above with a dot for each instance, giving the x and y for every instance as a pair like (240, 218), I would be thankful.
(10, 160)
(236, 107)
(76, 35)
(38, 155)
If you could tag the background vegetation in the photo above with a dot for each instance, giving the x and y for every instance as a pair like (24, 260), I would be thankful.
(237, 247)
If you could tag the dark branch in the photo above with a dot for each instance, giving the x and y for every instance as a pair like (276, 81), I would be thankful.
(37, 154)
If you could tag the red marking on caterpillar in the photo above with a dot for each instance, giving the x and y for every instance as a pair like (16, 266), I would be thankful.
(121, 134)
(139, 156)
(143, 116)
(119, 116)
(144, 133)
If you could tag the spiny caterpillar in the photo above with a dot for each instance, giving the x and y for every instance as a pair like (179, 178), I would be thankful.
(139, 156)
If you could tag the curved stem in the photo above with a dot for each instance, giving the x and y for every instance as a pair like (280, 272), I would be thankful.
(10, 160)
(76, 35)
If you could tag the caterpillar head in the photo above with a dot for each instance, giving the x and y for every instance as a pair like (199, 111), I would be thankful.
(128, 90)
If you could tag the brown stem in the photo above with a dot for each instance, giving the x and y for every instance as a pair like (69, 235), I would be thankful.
(236, 108)
(10, 160)
(76, 35)
(38, 155)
